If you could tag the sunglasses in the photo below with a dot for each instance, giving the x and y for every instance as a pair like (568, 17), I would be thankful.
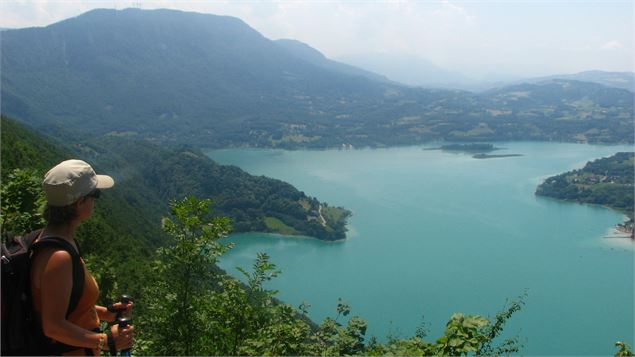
(94, 193)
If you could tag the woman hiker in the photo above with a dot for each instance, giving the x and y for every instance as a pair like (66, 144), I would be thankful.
(71, 189)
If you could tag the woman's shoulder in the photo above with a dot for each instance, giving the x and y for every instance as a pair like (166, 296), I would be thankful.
(52, 257)
(50, 263)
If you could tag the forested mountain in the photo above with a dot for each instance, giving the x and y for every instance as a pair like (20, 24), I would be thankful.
(179, 77)
(164, 74)
(148, 177)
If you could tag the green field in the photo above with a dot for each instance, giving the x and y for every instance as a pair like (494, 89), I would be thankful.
(277, 225)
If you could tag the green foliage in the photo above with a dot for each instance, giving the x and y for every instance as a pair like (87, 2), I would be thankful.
(263, 271)
(22, 202)
(21, 149)
(494, 329)
(414, 346)
(343, 308)
(463, 335)
(624, 350)
(334, 339)
(184, 274)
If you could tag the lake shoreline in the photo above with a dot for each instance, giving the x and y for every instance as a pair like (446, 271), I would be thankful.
(288, 236)
(432, 231)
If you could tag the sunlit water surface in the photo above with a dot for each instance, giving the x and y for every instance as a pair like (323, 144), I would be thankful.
(433, 233)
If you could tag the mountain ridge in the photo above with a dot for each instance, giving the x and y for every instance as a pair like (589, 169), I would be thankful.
(312, 55)
(410, 70)
(213, 81)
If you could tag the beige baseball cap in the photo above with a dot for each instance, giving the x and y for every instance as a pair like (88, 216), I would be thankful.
(71, 180)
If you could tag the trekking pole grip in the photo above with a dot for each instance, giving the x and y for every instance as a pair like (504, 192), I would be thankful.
(123, 322)
(124, 299)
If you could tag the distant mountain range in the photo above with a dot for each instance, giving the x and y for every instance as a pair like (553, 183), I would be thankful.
(182, 77)
(411, 70)
(623, 80)
(313, 56)
(416, 71)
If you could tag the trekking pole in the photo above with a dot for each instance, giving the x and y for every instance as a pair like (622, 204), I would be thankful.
(123, 322)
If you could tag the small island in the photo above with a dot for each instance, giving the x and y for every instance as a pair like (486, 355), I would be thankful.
(472, 147)
(607, 182)
(487, 156)
(479, 150)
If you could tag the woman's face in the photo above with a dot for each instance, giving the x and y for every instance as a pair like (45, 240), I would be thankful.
(85, 207)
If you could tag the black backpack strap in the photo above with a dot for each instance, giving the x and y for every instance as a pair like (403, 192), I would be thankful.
(78, 269)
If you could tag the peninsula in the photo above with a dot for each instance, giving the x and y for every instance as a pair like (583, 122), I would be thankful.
(607, 182)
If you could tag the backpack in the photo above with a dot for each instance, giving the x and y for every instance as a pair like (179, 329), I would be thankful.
(21, 332)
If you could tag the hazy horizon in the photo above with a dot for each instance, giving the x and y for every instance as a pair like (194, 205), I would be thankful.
(484, 40)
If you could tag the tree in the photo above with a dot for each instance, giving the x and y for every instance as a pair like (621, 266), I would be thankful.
(624, 350)
(22, 202)
(184, 274)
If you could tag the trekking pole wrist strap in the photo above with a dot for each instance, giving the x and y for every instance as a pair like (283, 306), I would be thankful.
(111, 344)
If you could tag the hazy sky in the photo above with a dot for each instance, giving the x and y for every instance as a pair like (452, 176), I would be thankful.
(473, 37)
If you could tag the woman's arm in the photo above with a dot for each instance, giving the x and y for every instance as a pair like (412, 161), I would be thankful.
(56, 286)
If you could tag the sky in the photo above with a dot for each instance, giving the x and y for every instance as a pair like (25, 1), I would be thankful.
(476, 38)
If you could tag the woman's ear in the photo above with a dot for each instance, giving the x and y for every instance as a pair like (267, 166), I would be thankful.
(80, 203)
(83, 208)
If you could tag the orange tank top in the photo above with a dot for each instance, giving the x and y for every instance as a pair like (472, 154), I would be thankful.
(84, 315)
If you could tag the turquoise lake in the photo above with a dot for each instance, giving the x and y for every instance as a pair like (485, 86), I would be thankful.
(433, 233)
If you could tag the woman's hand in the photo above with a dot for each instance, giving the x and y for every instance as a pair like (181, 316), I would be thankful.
(125, 309)
(124, 339)
(110, 313)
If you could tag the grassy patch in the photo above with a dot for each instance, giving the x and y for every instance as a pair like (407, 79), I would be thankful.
(278, 226)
